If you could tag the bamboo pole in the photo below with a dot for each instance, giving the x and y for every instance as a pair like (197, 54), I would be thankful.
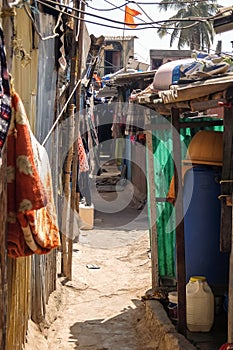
(79, 74)
(154, 236)
(74, 203)
(71, 207)
(66, 208)
(76, 75)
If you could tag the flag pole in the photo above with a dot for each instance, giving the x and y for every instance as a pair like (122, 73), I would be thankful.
(124, 49)
(123, 42)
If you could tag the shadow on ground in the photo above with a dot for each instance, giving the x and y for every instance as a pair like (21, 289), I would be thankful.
(119, 332)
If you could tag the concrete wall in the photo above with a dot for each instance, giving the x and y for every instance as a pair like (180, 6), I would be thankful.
(162, 329)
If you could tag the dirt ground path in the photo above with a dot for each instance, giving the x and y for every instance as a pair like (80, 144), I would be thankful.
(102, 307)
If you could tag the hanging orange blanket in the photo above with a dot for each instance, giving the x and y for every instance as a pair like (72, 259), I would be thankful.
(32, 219)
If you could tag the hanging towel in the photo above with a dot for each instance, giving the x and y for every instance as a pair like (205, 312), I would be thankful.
(5, 99)
(32, 219)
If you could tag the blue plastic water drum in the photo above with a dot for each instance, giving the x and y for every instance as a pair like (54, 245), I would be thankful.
(202, 226)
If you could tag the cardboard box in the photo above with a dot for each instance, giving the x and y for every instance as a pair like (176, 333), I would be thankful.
(87, 216)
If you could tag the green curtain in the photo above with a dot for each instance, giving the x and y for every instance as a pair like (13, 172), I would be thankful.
(163, 172)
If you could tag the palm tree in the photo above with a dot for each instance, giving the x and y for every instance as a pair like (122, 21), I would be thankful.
(198, 35)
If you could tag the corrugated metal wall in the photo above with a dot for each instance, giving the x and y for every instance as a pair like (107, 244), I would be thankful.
(30, 280)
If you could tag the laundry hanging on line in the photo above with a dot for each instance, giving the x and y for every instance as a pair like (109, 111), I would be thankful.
(32, 219)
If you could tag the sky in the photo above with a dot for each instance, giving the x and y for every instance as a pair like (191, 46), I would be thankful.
(147, 39)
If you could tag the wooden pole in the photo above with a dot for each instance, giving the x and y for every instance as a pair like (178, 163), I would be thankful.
(79, 89)
(77, 75)
(3, 255)
(66, 208)
(180, 246)
(227, 209)
(69, 237)
(226, 184)
(230, 291)
(154, 237)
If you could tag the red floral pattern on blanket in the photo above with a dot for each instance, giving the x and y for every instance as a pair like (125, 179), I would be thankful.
(32, 219)
(227, 346)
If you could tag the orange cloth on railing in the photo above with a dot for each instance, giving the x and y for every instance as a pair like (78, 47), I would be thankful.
(171, 195)
(32, 219)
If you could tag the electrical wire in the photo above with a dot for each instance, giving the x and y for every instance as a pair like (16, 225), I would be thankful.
(92, 22)
(175, 19)
(140, 19)
(166, 3)
(198, 19)
(61, 113)
(186, 27)
(111, 9)
(142, 3)
(101, 24)
(36, 28)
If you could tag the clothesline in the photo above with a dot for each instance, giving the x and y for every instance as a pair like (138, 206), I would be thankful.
(58, 118)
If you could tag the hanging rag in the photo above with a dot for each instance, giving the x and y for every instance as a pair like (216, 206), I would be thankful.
(83, 183)
(171, 195)
(32, 219)
(5, 98)
(82, 156)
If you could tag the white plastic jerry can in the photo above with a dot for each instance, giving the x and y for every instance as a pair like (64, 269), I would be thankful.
(199, 305)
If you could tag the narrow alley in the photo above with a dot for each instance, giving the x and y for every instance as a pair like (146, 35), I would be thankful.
(101, 308)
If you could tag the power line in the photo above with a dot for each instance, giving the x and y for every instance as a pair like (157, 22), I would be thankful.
(175, 28)
(101, 24)
(167, 2)
(140, 19)
(198, 19)
(92, 22)
(145, 3)
(111, 9)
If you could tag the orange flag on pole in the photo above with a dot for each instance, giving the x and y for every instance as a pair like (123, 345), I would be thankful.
(129, 16)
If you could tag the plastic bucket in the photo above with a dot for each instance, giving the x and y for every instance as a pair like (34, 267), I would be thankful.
(172, 306)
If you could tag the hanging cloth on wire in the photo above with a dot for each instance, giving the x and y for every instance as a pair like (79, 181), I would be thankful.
(32, 220)
(5, 98)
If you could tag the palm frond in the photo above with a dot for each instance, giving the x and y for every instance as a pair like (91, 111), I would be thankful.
(202, 34)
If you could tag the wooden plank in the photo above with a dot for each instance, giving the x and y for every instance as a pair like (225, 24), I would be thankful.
(180, 245)
(153, 228)
(185, 125)
(226, 184)
(200, 124)
(37, 307)
(204, 105)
